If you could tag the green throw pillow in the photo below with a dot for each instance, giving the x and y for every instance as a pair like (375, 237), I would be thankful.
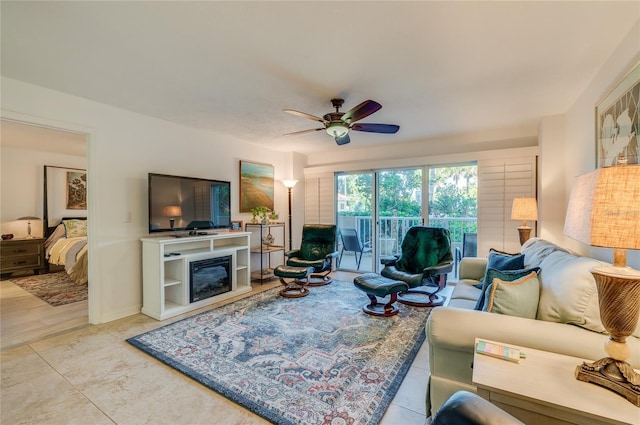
(517, 298)
(501, 261)
(504, 275)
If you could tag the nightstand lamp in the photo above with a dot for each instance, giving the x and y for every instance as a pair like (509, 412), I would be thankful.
(29, 219)
(524, 209)
(604, 211)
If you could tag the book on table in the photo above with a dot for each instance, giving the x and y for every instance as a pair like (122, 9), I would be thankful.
(500, 351)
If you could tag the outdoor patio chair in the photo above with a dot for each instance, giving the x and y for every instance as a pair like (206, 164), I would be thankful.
(469, 248)
(351, 243)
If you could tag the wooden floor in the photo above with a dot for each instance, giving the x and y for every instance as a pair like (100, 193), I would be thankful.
(25, 318)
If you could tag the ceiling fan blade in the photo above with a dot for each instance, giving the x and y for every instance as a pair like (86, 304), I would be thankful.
(304, 115)
(376, 128)
(343, 140)
(363, 110)
(303, 132)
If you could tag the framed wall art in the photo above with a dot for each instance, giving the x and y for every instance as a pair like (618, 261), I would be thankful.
(236, 226)
(65, 193)
(256, 185)
(618, 122)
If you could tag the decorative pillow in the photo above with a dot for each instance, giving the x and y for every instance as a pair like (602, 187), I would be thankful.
(501, 261)
(517, 298)
(75, 228)
(505, 276)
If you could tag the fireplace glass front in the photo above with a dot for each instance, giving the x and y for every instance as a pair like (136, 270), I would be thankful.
(209, 277)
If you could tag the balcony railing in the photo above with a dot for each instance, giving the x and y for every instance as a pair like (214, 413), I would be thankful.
(393, 229)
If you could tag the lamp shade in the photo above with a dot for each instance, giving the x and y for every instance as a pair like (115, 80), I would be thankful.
(172, 211)
(289, 183)
(604, 208)
(29, 218)
(524, 209)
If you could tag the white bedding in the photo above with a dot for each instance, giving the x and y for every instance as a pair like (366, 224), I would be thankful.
(70, 253)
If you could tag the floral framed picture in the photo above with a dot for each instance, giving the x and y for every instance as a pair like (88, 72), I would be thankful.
(618, 122)
(256, 186)
(76, 190)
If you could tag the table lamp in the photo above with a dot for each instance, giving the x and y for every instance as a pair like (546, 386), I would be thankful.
(172, 211)
(604, 211)
(28, 219)
(524, 209)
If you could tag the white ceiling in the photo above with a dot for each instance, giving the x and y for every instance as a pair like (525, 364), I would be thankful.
(438, 68)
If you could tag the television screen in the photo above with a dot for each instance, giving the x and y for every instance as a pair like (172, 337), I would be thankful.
(188, 203)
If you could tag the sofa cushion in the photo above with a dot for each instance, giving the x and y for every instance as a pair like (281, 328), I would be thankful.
(505, 276)
(501, 261)
(535, 250)
(514, 298)
(569, 293)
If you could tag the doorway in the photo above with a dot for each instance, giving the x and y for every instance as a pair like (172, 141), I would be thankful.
(26, 149)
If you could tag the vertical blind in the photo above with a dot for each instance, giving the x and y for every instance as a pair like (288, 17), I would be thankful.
(499, 181)
(319, 199)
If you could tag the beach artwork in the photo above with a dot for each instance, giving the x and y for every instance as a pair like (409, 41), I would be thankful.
(256, 186)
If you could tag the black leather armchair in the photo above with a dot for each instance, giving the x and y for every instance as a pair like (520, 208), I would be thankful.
(466, 408)
(317, 250)
(425, 261)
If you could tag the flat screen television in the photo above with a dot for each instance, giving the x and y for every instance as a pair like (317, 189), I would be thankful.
(188, 203)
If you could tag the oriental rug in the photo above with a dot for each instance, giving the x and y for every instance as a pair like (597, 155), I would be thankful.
(312, 360)
(53, 288)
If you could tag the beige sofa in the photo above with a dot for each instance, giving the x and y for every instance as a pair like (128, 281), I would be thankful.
(567, 322)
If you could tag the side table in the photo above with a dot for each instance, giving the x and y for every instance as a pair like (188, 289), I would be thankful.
(542, 389)
(22, 254)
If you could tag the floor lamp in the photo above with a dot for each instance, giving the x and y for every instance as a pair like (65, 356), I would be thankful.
(289, 184)
(604, 211)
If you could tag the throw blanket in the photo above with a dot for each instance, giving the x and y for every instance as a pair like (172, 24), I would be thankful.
(72, 254)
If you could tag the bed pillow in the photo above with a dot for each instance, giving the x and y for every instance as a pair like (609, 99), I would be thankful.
(516, 298)
(75, 228)
(505, 276)
(501, 261)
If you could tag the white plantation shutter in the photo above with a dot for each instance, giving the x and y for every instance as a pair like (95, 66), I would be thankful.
(499, 181)
(319, 199)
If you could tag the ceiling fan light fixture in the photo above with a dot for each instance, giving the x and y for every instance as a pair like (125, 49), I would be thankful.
(337, 129)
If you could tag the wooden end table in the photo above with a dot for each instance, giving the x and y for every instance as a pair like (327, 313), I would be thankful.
(542, 389)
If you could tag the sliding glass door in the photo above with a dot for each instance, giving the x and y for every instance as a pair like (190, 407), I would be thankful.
(376, 208)
(399, 207)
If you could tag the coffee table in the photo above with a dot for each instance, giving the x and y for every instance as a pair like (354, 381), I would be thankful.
(542, 389)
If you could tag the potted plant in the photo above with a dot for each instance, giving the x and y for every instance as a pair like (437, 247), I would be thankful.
(261, 212)
(273, 216)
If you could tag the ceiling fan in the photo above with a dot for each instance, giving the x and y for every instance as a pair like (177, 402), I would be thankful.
(337, 124)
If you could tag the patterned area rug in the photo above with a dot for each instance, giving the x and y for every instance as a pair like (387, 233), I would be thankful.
(53, 288)
(312, 360)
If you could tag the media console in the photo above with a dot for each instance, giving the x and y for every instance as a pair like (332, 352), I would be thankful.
(166, 270)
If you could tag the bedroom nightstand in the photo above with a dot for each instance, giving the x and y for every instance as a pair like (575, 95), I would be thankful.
(22, 254)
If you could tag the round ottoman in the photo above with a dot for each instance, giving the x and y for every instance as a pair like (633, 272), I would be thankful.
(376, 286)
(296, 287)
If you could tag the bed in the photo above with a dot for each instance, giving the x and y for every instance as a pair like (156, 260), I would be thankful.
(66, 247)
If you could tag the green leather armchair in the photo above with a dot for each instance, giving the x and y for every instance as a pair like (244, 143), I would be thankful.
(425, 261)
(317, 250)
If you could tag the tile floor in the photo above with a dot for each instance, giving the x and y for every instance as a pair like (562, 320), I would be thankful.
(92, 376)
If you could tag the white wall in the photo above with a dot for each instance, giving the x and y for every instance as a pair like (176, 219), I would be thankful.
(22, 188)
(551, 171)
(579, 139)
(122, 148)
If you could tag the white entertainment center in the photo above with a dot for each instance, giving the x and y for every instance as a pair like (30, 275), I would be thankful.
(166, 270)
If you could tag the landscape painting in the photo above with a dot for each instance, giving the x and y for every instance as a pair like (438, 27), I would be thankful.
(256, 185)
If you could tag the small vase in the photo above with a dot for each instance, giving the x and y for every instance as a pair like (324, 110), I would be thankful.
(265, 221)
